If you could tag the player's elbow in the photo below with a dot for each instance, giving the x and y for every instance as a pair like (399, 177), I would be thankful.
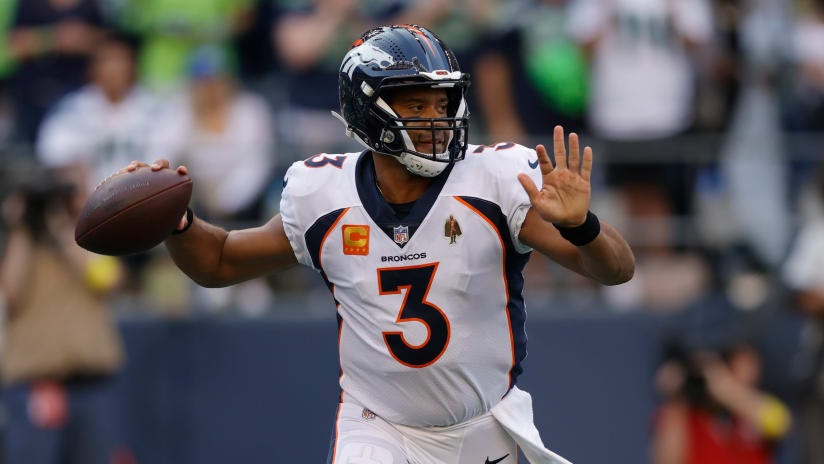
(622, 274)
(210, 280)
(623, 277)
(208, 283)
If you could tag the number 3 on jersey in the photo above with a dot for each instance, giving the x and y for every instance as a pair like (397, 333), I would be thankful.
(416, 280)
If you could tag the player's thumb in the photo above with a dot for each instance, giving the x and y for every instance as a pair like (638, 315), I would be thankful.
(529, 186)
(184, 221)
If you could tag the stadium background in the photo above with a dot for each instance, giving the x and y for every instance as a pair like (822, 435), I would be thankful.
(712, 172)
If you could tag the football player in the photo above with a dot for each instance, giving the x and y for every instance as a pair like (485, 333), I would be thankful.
(421, 238)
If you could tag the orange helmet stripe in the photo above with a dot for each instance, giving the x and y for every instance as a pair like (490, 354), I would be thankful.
(418, 31)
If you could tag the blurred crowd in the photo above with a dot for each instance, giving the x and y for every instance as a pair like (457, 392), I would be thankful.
(706, 117)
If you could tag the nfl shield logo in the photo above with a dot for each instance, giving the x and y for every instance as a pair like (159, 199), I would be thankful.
(401, 234)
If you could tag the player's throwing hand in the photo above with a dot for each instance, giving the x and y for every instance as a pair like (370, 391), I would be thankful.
(564, 196)
(157, 165)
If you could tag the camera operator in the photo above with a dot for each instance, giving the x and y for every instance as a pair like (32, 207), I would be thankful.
(713, 411)
(61, 350)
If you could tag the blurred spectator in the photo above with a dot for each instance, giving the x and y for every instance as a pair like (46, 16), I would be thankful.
(224, 136)
(107, 123)
(104, 125)
(544, 68)
(7, 67)
(51, 39)
(642, 83)
(804, 275)
(255, 53)
(171, 29)
(642, 78)
(7, 12)
(61, 350)
(667, 278)
(753, 154)
(807, 112)
(713, 411)
(720, 70)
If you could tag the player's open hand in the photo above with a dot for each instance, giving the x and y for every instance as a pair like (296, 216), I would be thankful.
(563, 199)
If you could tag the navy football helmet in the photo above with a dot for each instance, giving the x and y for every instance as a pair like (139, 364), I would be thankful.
(392, 57)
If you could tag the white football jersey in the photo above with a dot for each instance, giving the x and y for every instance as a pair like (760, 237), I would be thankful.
(430, 307)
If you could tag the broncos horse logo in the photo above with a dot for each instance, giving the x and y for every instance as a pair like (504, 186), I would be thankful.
(365, 54)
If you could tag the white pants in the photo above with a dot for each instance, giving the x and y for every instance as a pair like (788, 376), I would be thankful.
(491, 438)
(363, 438)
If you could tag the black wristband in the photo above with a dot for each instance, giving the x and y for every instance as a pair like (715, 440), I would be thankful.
(583, 234)
(190, 218)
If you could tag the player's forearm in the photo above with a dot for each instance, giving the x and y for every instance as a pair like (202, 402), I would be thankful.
(608, 259)
(198, 252)
(214, 257)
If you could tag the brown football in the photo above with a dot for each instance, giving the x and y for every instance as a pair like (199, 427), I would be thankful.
(132, 212)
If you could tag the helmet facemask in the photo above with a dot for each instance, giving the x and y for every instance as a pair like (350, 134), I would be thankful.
(395, 139)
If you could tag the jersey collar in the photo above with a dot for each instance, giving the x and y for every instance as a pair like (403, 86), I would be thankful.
(377, 207)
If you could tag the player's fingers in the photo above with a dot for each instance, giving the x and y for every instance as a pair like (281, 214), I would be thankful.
(543, 160)
(529, 186)
(586, 165)
(182, 170)
(132, 166)
(574, 160)
(184, 221)
(560, 149)
(159, 164)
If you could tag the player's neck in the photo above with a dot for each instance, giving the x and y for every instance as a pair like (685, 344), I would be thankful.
(396, 184)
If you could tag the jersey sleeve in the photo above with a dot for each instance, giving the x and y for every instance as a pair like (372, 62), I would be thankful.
(315, 190)
(293, 224)
(513, 199)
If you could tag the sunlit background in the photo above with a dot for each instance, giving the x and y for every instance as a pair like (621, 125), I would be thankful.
(707, 122)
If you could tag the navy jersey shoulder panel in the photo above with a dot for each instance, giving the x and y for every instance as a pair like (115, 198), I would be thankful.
(316, 232)
(379, 210)
(514, 266)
